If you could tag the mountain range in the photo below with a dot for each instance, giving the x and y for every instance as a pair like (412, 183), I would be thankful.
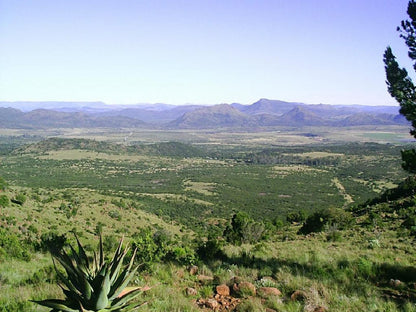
(263, 113)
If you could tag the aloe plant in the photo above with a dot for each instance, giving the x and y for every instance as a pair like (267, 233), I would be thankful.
(94, 285)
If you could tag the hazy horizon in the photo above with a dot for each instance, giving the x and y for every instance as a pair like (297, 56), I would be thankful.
(199, 52)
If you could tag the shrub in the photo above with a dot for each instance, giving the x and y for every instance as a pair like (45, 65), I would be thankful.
(3, 184)
(244, 229)
(115, 215)
(334, 217)
(210, 249)
(19, 199)
(183, 255)
(150, 248)
(298, 216)
(4, 201)
(52, 241)
(45, 274)
(11, 246)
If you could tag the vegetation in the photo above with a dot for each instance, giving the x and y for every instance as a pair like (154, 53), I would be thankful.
(323, 220)
(96, 286)
(328, 223)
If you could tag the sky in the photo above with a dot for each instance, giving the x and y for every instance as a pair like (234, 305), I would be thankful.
(199, 51)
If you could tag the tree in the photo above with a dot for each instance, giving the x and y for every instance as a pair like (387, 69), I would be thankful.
(244, 229)
(400, 85)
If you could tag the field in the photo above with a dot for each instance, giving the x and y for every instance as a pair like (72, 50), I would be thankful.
(188, 185)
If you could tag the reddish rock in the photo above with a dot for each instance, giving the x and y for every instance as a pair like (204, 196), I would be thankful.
(205, 279)
(191, 291)
(320, 309)
(265, 292)
(298, 295)
(395, 283)
(193, 270)
(212, 304)
(223, 290)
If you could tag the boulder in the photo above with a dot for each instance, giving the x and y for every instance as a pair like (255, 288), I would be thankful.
(205, 279)
(298, 295)
(223, 290)
(266, 292)
(193, 270)
(191, 291)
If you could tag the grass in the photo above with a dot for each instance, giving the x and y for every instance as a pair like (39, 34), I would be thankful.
(346, 275)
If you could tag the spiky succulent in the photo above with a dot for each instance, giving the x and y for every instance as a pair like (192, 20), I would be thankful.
(94, 285)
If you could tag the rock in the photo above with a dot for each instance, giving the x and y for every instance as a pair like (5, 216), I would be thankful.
(395, 283)
(193, 270)
(244, 289)
(223, 290)
(320, 309)
(212, 304)
(205, 279)
(298, 295)
(270, 310)
(191, 291)
(234, 280)
(266, 292)
(180, 274)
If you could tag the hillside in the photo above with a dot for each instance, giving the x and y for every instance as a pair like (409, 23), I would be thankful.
(362, 260)
(263, 113)
(212, 117)
(265, 106)
(300, 116)
(171, 149)
(43, 118)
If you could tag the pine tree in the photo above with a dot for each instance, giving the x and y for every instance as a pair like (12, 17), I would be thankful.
(400, 85)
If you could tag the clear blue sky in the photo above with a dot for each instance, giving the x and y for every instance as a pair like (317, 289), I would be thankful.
(198, 51)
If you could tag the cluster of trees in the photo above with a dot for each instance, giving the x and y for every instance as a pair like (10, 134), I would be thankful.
(274, 157)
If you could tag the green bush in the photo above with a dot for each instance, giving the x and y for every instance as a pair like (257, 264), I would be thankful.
(298, 216)
(243, 229)
(3, 184)
(45, 274)
(210, 249)
(115, 215)
(12, 247)
(151, 248)
(52, 241)
(9, 305)
(19, 199)
(4, 201)
(331, 217)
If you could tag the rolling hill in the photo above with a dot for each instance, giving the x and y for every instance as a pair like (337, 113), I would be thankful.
(263, 113)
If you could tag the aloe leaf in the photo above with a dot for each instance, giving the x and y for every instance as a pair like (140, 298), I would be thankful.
(57, 304)
(102, 299)
(127, 276)
(66, 281)
(128, 308)
(118, 302)
(82, 253)
(116, 266)
(88, 290)
(101, 251)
